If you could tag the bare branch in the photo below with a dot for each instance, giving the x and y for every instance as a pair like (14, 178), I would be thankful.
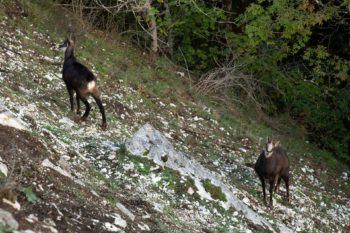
(230, 77)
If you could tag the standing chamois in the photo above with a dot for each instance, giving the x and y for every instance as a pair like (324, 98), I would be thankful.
(80, 79)
(273, 164)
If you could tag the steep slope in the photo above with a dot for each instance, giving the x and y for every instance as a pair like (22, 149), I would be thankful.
(70, 176)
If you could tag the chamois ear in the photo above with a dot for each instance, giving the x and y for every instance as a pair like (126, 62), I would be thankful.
(269, 140)
(71, 38)
(276, 143)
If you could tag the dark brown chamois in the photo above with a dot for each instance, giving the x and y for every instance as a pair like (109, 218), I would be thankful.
(80, 79)
(273, 165)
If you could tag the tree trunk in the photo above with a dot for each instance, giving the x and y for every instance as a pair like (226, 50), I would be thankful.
(170, 31)
(227, 6)
(152, 26)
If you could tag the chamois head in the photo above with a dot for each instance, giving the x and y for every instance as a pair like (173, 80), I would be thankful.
(269, 146)
(68, 42)
(68, 46)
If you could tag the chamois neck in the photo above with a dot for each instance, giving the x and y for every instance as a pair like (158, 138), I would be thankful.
(267, 153)
(69, 54)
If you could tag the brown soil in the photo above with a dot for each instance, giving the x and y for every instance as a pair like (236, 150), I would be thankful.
(62, 203)
(76, 206)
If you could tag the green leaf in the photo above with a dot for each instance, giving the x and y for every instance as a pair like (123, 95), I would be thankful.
(31, 197)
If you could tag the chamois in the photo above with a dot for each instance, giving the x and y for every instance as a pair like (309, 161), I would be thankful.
(80, 79)
(272, 164)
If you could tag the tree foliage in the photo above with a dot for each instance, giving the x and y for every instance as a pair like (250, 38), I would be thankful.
(303, 48)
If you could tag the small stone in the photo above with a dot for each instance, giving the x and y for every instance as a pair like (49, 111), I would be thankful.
(216, 163)
(14, 204)
(147, 216)
(111, 227)
(246, 200)
(118, 221)
(143, 227)
(125, 211)
(3, 169)
(7, 219)
(104, 170)
(190, 191)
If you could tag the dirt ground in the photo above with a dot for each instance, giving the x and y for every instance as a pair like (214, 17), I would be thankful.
(61, 203)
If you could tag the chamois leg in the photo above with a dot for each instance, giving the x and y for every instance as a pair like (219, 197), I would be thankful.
(277, 181)
(272, 182)
(71, 100)
(87, 109)
(286, 180)
(263, 188)
(78, 104)
(102, 110)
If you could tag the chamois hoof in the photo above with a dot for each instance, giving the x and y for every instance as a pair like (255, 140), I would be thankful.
(83, 118)
(79, 112)
(104, 126)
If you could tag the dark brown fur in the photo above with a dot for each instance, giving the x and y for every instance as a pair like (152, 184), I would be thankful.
(273, 168)
(77, 77)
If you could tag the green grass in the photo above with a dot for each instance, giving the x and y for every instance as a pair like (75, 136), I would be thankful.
(170, 178)
(30, 195)
(61, 133)
(143, 168)
(6, 229)
(215, 191)
(142, 164)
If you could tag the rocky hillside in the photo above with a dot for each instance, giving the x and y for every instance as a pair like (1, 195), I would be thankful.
(168, 162)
